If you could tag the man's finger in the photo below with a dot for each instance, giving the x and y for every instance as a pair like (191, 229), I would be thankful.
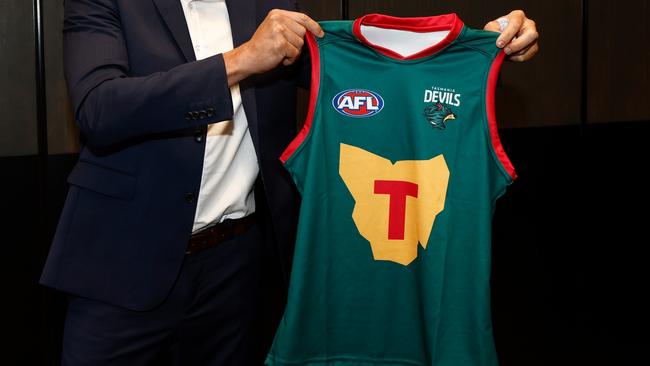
(526, 38)
(525, 55)
(307, 22)
(295, 27)
(515, 22)
(295, 40)
(291, 54)
(492, 26)
(522, 51)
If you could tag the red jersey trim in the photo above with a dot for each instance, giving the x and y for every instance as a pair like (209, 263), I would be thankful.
(491, 116)
(449, 22)
(313, 98)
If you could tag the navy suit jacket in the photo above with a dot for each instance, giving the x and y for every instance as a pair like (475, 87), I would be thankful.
(142, 103)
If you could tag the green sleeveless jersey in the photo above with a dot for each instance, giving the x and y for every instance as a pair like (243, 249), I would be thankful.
(399, 165)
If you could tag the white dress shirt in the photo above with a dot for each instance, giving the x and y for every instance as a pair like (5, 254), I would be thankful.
(230, 166)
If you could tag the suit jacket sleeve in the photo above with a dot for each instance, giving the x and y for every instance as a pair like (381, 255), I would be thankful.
(112, 107)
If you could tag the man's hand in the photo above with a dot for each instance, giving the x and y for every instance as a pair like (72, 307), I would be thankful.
(279, 39)
(518, 35)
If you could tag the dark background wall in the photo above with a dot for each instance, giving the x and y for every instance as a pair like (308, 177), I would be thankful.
(570, 248)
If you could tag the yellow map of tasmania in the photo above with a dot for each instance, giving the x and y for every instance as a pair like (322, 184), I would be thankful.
(395, 204)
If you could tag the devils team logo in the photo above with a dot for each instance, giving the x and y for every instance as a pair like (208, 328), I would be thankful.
(438, 114)
(358, 103)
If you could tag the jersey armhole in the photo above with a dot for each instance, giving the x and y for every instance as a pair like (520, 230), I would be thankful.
(499, 153)
(299, 140)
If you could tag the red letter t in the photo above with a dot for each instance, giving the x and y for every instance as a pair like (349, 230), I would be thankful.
(398, 191)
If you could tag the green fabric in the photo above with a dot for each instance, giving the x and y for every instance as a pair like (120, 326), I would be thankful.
(345, 307)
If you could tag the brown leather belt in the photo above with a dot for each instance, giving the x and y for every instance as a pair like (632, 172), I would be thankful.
(219, 233)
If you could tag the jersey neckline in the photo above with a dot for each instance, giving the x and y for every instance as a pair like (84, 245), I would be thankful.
(450, 22)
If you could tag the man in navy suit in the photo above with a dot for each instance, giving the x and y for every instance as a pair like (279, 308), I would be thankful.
(178, 203)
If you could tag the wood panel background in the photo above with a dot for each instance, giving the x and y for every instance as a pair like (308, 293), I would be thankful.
(542, 92)
(320, 9)
(62, 134)
(619, 55)
(17, 79)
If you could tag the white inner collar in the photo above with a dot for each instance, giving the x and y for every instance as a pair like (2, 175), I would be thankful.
(406, 43)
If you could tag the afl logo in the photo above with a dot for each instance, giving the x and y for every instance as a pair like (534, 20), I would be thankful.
(358, 103)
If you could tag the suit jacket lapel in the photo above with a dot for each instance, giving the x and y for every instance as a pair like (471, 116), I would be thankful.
(243, 19)
(172, 13)
(243, 22)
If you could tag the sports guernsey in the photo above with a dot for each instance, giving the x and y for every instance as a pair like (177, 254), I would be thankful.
(399, 165)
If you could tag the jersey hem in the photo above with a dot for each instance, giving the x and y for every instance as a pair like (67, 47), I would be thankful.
(313, 99)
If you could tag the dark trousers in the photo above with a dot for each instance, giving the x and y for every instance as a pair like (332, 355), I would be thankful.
(210, 317)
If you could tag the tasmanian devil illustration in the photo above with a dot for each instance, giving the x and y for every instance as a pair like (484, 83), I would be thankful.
(438, 114)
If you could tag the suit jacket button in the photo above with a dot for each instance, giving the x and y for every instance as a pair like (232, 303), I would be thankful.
(210, 112)
(198, 137)
(189, 197)
(188, 116)
(203, 115)
(195, 115)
